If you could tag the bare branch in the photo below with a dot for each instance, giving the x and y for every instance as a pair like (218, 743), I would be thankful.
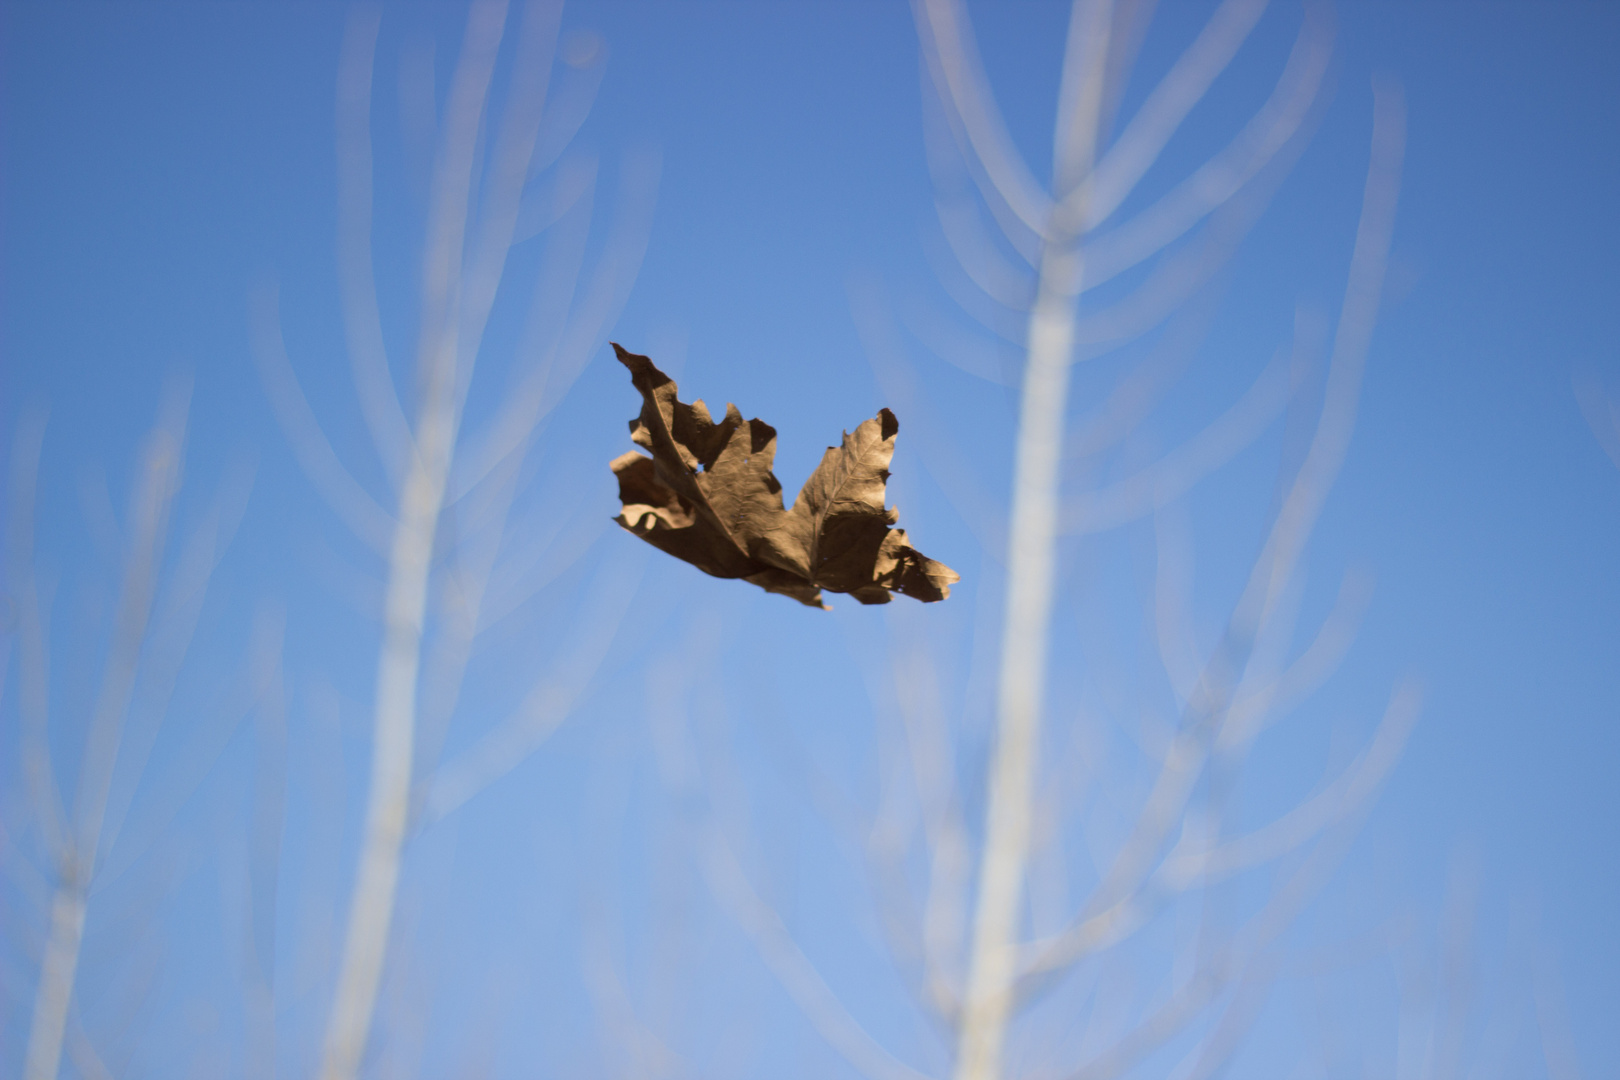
(544, 205)
(33, 690)
(369, 522)
(1176, 473)
(995, 362)
(953, 60)
(155, 485)
(1346, 795)
(1142, 386)
(1167, 105)
(950, 863)
(1111, 906)
(1178, 278)
(1031, 559)
(513, 151)
(1230, 961)
(155, 489)
(794, 970)
(1252, 710)
(1008, 285)
(583, 52)
(1224, 175)
(174, 623)
(1217, 1048)
(603, 298)
(368, 356)
(545, 707)
(174, 785)
(950, 165)
(1009, 322)
(1356, 320)
(624, 1033)
(681, 774)
(1172, 606)
(82, 1052)
(421, 502)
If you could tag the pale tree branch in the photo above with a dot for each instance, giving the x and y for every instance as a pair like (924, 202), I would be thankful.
(950, 862)
(1007, 322)
(1167, 105)
(82, 1052)
(1221, 1044)
(798, 976)
(950, 163)
(174, 625)
(1174, 635)
(553, 301)
(514, 582)
(887, 844)
(418, 112)
(774, 942)
(482, 163)
(442, 364)
(1357, 318)
(362, 321)
(514, 148)
(1171, 477)
(669, 685)
(421, 502)
(1252, 710)
(369, 522)
(154, 487)
(1220, 178)
(1177, 279)
(1110, 910)
(1031, 565)
(1228, 962)
(464, 587)
(543, 710)
(586, 53)
(993, 361)
(33, 680)
(170, 789)
(952, 59)
(546, 204)
(623, 1032)
(1143, 385)
(1351, 791)
(1006, 284)
(557, 368)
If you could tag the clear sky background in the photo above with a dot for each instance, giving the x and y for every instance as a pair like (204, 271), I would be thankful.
(164, 163)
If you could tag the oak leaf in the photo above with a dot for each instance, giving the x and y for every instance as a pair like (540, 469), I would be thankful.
(707, 495)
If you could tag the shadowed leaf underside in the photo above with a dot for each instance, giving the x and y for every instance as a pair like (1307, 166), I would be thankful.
(707, 496)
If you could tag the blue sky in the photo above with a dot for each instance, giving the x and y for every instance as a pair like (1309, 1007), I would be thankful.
(165, 163)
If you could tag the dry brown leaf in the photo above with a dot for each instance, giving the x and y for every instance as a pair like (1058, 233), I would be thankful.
(708, 496)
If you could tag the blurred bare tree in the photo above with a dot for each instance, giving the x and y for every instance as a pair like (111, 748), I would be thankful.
(1060, 906)
(140, 645)
(456, 558)
(1453, 1017)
